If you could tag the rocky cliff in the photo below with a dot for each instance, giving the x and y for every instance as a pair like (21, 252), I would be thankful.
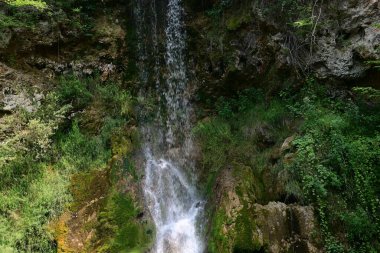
(255, 67)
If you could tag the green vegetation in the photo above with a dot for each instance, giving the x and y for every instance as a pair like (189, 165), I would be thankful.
(235, 22)
(35, 3)
(219, 8)
(120, 230)
(337, 166)
(333, 164)
(27, 176)
(10, 22)
(42, 150)
(56, 12)
(242, 128)
(374, 64)
(16, 19)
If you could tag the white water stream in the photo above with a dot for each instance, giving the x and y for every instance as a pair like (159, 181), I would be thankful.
(169, 182)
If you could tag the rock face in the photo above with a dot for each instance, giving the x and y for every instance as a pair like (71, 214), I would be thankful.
(59, 44)
(18, 89)
(347, 41)
(246, 46)
(286, 228)
(265, 49)
(239, 224)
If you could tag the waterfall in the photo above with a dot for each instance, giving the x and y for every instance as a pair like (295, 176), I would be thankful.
(169, 184)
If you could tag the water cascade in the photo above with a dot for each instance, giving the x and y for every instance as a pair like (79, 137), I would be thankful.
(169, 184)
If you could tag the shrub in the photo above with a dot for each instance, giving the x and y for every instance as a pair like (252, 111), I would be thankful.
(80, 152)
(75, 91)
(35, 3)
(337, 156)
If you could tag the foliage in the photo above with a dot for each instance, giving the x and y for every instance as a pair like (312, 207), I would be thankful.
(286, 10)
(217, 141)
(25, 177)
(40, 151)
(303, 22)
(338, 157)
(35, 3)
(10, 22)
(374, 64)
(235, 22)
(18, 19)
(120, 229)
(75, 91)
(80, 152)
(78, 15)
(243, 125)
(218, 8)
(82, 92)
(335, 165)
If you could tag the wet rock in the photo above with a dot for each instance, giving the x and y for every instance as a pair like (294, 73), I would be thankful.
(266, 50)
(77, 68)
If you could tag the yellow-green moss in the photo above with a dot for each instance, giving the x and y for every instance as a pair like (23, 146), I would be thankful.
(60, 231)
(87, 186)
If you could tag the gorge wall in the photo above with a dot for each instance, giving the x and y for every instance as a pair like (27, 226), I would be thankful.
(285, 112)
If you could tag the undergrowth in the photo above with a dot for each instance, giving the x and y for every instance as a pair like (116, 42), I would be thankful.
(41, 150)
(333, 164)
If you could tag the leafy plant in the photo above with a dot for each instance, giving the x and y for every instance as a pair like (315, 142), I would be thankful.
(39, 4)
(337, 156)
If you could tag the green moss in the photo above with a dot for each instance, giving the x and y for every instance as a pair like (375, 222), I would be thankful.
(245, 227)
(119, 228)
(11, 22)
(219, 241)
(87, 186)
(233, 234)
(242, 137)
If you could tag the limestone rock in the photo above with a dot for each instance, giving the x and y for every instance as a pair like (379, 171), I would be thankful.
(345, 46)
(19, 90)
(284, 228)
(286, 145)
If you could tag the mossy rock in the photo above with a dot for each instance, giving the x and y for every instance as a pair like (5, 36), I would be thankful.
(105, 215)
(233, 223)
(87, 186)
(120, 227)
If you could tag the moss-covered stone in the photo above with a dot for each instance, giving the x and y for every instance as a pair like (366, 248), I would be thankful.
(105, 215)
(233, 223)
(121, 227)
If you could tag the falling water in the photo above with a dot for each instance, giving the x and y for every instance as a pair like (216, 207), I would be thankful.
(169, 187)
